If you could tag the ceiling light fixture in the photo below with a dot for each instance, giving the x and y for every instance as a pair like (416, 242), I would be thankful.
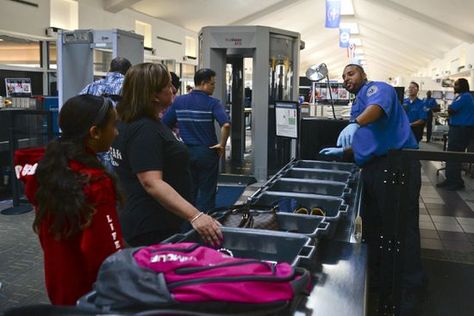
(354, 27)
(347, 7)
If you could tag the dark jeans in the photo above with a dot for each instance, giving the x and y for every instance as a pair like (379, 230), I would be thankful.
(418, 132)
(429, 125)
(373, 213)
(204, 170)
(459, 138)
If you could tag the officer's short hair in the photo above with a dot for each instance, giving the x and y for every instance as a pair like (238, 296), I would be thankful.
(416, 84)
(203, 75)
(463, 85)
(175, 80)
(357, 66)
(120, 64)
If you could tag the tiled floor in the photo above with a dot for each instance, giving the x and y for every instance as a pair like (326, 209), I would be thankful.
(446, 218)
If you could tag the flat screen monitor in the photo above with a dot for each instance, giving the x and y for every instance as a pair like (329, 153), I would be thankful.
(343, 93)
(449, 95)
(18, 87)
(286, 119)
(437, 94)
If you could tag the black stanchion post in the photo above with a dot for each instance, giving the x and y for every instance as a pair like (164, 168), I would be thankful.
(19, 207)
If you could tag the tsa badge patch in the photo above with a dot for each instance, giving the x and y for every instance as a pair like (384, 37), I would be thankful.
(372, 90)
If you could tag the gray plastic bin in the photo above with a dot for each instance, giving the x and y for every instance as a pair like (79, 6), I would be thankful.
(311, 226)
(338, 189)
(295, 249)
(327, 165)
(333, 207)
(318, 174)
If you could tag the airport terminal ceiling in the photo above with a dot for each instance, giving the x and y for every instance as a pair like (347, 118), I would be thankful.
(392, 37)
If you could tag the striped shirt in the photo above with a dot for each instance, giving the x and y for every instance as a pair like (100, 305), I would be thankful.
(195, 112)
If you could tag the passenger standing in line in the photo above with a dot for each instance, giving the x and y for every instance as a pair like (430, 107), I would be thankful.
(431, 107)
(74, 197)
(378, 124)
(153, 165)
(110, 87)
(461, 132)
(195, 113)
(414, 107)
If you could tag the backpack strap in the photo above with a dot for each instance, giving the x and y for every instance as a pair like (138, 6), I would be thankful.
(301, 282)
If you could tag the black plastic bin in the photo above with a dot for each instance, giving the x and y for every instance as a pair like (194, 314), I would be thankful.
(318, 187)
(326, 165)
(318, 174)
(274, 246)
(311, 226)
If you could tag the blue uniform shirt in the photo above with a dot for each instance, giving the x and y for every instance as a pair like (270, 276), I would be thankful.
(391, 131)
(195, 112)
(463, 107)
(415, 110)
(429, 104)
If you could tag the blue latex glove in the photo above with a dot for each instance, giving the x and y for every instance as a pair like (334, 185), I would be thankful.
(332, 151)
(347, 134)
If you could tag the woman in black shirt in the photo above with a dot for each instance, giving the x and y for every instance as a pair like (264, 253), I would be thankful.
(153, 166)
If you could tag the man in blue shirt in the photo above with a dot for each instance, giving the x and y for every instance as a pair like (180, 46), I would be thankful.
(378, 123)
(195, 112)
(431, 107)
(111, 85)
(461, 132)
(414, 107)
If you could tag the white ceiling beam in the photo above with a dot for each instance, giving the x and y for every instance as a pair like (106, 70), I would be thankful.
(390, 62)
(417, 16)
(406, 58)
(320, 40)
(397, 40)
(429, 48)
(115, 6)
(283, 4)
(382, 69)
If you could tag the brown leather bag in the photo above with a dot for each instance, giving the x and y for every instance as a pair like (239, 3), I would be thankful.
(247, 216)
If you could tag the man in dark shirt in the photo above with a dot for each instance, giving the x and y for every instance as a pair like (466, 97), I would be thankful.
(431, 107)
(195, 112)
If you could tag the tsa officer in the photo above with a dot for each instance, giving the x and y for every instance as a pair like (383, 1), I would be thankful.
(415, 109)
(430, 107)
(378, 123)
(461, 132)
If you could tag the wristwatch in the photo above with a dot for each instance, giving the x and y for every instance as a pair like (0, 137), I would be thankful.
(354, 121)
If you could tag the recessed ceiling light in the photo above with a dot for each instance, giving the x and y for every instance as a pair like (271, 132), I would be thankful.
(354, 27)
(347, 8)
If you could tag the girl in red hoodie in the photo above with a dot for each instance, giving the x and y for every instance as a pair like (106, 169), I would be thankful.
(74, 197)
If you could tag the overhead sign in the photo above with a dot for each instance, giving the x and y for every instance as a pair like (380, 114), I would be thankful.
(333, 13)
(344, 37)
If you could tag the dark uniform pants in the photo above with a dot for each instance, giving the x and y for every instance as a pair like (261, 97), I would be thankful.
(374, 208)
(429, 125)
(204, 171)
(459, 138)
